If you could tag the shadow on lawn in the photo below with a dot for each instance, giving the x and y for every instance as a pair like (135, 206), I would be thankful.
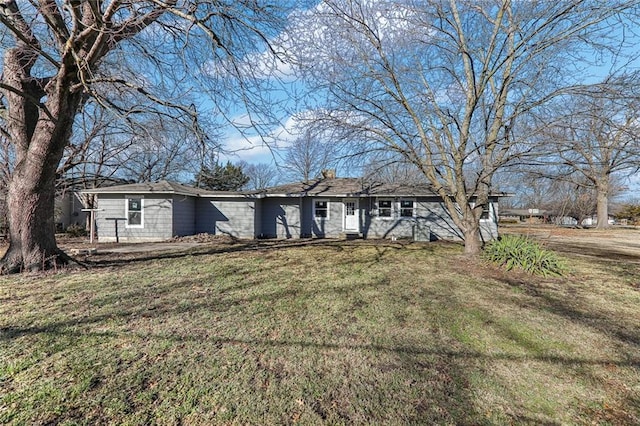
(220, 304)
(573, 308)
(449, 396)
(63, 329)
(120, 259)
(441, 373)
(597, 253)
(442, 367)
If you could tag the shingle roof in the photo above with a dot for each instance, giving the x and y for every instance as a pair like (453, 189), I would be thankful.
(160, 187)
(335, 187)
(352, 187)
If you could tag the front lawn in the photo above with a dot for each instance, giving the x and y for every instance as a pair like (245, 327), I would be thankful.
(337, 333)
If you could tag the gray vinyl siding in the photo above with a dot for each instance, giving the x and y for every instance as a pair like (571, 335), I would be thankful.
(68, 211)
(441, 224)
(489, 228)
(430, 218)
(257, 218)
(184, 215)
(334, 227)
(330, 227)
(157, 218)
(306, 218)
(376, 227)
(165, 216)
(385, 227)
(225, 216)
(281, 217)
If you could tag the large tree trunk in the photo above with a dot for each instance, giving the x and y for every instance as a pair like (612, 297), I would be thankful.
(31, 196)
(39, 133)
(467, 218)
(471, 233)
(31, 224)
(602, 206)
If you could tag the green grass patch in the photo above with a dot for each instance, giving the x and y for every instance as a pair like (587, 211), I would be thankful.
(336, 333)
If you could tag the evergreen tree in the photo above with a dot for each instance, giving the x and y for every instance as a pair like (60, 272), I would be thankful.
(229, 177)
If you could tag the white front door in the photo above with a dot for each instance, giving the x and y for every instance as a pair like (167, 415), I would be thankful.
(351, 215)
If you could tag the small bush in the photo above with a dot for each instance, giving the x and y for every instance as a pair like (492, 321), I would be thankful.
(512, 251)
(76, 231)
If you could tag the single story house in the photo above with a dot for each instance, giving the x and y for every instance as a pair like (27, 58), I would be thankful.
(327, 207)
(525, 215)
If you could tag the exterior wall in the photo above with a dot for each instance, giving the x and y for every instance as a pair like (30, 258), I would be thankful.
(439, 220)
(281, 217)
(306, 218)
(431, 221)
(157, 219)
(275, 217)
(395, 226)
(489, 227)
(68, 211)
(226, 216)
(257, 218)
(184, 215)
(329, 227)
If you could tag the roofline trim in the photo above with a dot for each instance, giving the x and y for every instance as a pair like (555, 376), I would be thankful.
(259, 195)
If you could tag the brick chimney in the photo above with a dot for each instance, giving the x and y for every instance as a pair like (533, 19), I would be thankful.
(329, 174)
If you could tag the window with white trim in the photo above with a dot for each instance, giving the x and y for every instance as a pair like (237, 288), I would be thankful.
(321, 209)
(407, 208)
(385, 208)
(135, 212)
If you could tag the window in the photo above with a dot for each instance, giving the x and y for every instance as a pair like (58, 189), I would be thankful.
(406, 208)
(350, 208)
(485, 212)
(321, 209)
(134, 212)
(385, 208)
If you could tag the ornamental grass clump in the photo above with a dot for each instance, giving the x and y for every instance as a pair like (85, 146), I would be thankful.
(513, 251)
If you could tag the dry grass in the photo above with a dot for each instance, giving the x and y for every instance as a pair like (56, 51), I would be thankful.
(335, 333)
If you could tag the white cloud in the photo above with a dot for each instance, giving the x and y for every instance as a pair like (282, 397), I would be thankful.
(254, 148)
(269, 65)
(251, 149)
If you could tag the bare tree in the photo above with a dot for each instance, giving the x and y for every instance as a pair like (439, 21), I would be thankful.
(108, 148)
(261, 175)
(6, 165)
(564, 195)
(566, 199)
(389, 168)
(448, 84)
(58, 54)
(597, 138)
(158, 153)
(307, 155)
(91, 156)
